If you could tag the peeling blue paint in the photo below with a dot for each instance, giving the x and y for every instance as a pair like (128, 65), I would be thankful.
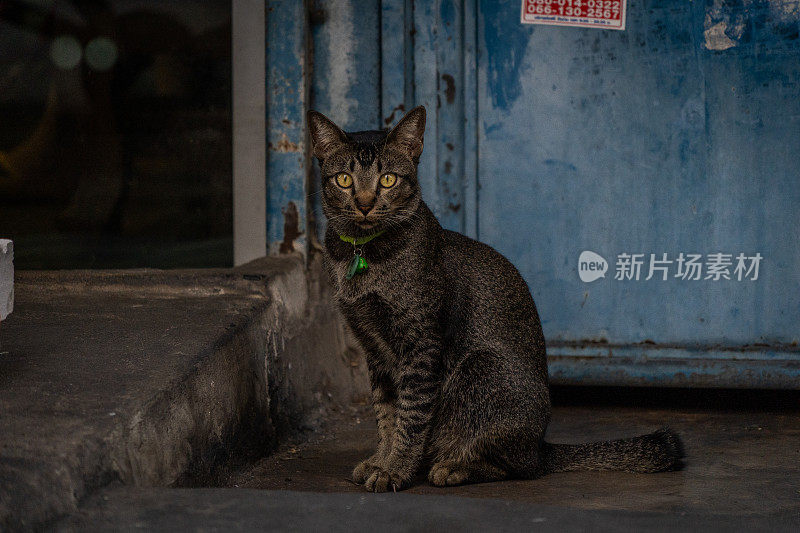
(505, 40)
(564, 165)
(447, 12)
(450, 116)
(396, 61)
(345, 83)
(491, 128)
(286, 128)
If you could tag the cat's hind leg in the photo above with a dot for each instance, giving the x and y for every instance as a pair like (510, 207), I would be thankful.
(446, 473)
(493, 412)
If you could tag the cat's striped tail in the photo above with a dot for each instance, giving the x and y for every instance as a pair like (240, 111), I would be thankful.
(654, 452)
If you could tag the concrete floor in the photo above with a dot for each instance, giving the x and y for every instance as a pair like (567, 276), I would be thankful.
(738, 463)
(742, 474)
(224, 510)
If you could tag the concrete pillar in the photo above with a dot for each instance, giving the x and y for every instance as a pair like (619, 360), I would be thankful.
(249, 131)
(6, 278)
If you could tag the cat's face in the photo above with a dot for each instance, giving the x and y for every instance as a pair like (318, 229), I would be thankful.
(369, 179)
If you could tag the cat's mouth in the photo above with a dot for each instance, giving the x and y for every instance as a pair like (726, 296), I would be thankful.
(366, 224)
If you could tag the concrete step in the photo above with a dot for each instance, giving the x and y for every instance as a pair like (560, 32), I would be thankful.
(157, 378)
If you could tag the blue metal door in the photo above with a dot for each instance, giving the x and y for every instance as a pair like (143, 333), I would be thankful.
(668, 150)
(661, 139)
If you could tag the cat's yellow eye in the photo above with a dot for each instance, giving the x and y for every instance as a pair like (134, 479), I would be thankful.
(344, 180)
(388, 180)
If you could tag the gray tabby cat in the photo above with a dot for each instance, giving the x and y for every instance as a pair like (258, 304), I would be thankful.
(453, 342)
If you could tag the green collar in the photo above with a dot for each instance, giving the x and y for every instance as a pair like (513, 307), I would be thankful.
(361, 240)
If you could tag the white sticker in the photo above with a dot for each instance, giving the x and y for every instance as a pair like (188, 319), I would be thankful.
(602, 14)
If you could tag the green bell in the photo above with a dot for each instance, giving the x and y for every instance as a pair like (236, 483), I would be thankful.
(356, 265)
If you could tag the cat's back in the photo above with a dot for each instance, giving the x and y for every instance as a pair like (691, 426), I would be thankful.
(476, 261)
(482, 280)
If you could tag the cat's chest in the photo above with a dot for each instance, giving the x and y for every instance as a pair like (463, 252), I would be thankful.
(372, 313)
(381, 300)
(383, 330)
(393, 282)
(377, 307)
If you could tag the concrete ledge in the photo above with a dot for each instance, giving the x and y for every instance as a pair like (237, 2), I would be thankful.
(156, 378)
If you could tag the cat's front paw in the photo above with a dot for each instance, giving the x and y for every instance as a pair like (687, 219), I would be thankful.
(364, 470)
(385, 480)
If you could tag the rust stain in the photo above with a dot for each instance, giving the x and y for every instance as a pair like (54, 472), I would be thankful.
(450, 90)
(388, 120)
(291, 228)
(284, 145)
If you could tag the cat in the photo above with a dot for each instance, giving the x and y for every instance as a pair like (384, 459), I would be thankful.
(451, 335)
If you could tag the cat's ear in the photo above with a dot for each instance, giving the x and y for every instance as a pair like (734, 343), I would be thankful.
(325, 135)
(409, 132)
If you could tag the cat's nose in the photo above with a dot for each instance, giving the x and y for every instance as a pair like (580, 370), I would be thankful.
(365, 204)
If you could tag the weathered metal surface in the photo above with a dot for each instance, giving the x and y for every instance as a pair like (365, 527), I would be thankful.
(645, 141)
(450, 114)
(764, 367)
(428, 58)
(426, 37)
(287, 93)
(345, 84)
(470, 146)
(648, 141)
(676, 135)
(396, 61)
